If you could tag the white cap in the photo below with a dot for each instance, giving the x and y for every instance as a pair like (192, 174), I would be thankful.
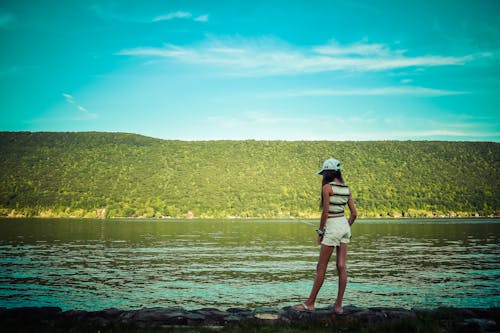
(330, 164)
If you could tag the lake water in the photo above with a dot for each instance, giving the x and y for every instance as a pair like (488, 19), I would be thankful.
(96, 264)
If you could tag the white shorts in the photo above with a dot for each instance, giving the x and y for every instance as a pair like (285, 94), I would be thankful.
(337, 230)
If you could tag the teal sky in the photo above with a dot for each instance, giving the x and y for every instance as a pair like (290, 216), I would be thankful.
(266, 70)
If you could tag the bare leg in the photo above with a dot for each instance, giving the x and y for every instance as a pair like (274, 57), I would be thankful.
(342, 270)
(324, 257)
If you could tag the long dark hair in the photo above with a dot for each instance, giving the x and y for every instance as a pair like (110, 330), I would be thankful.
(328, 177)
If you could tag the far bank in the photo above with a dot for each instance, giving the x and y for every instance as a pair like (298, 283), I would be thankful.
(106, 175)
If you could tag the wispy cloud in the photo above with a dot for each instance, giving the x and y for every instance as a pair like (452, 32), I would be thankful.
(360, 49)
(83, 111)
(169, 51)
(384, 91)
(412, 135)
(448, 134)
(380, 126)
(363, 125)
(267, 56)
(201, 18)
(181, 15)
(69, 98)
(173, 15)
(111, 12)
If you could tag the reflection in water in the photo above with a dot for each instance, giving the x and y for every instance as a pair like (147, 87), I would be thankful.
(88, 264)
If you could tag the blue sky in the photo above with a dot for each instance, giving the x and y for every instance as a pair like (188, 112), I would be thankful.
(265, 70)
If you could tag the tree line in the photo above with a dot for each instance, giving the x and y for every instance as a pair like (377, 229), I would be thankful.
(99, 174)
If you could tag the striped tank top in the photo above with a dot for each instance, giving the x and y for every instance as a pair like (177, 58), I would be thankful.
(339, 198)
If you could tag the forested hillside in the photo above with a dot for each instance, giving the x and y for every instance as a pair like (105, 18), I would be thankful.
(117, 174)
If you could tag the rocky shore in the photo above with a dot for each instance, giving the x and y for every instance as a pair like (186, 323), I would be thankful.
(354, 319)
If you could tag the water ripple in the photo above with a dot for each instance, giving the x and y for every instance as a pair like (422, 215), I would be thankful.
(100, 264)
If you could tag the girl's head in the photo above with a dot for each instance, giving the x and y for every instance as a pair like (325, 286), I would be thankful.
(330, 164)
(330, 175)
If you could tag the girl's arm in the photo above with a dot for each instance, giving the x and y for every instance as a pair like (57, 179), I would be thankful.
(352, 208)
(327, 193)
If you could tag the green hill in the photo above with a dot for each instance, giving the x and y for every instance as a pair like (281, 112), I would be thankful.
(119, 174)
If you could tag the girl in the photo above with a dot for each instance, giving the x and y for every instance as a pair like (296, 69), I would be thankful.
(334, 231)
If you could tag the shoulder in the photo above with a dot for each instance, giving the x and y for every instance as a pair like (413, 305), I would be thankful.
(327, 188)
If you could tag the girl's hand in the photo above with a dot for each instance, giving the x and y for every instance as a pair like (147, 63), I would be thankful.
(320, 239)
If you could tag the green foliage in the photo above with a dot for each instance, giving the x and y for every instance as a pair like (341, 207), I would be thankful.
(117, 174)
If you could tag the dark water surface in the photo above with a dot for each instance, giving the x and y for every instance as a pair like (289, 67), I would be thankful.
(95, 264)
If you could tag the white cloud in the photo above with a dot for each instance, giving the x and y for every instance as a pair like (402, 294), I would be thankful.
(68, 98)
(83, 111)
(110, 12)
(360, 49)
(173, 15)
(363, 125)
(448, 133)
(266, 56)
(81, 108)
(385, 91)
(168, 51)
(201, 18)
(181, 15)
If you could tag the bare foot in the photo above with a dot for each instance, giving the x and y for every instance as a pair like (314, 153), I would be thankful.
(303, 306)
(338, 308)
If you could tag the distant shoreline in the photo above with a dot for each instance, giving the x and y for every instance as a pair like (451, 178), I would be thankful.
(104, 214)
(174, 219)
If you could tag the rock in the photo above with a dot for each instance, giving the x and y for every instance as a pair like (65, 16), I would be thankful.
(31, 314)
(350, 309)
(238, 315)
(395, 313)
(212, 312)
(75, 315)
(213, 317)
(111, 312)
(354, 318)
(126, 316)
(267, 316)
(194, 319)
(237, 310)
(98, 322)
(233, 319)
(475, 325)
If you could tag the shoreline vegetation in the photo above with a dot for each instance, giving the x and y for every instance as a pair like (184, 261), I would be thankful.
(122, 175)
(93, 216)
